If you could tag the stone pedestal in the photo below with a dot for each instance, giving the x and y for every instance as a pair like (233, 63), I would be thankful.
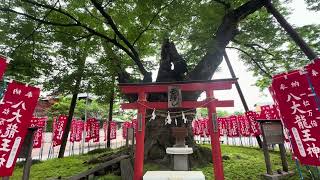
(277, 176)
(180, 157)
(181, 175)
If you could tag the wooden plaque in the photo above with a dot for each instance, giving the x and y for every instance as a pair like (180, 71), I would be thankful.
(272, 132)
(174, 97)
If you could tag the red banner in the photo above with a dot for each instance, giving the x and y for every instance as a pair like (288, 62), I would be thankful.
(39, 122)
(195, 127)
(205, 127)
(3, 65)
(58, 130)
(17, 107)
(268, 112)
(73, 130)
(80, 128)
(222, 126)
(105, 129)
(255, 127)
(313, 70)
(244, 126)
(233, 128)
(298, 106)
(125, 126)
(113, 130)
(96, 131)
(89, 129)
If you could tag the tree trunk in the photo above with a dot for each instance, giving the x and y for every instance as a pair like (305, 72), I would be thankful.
(158, 136)
(72, 106)
(110, 113)
(69, 121)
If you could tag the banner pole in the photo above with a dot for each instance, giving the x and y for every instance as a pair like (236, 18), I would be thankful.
(298, 168)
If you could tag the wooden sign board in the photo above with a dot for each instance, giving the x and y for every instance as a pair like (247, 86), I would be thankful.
(174, 97)
(272, 132)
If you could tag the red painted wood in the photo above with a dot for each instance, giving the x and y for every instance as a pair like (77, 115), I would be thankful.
(185, 104)
(215, 141)
(139, 151)
(158, 88)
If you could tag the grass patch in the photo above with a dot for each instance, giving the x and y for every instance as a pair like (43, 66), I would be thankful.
(58, 168)
(248, 163)
(244, 163)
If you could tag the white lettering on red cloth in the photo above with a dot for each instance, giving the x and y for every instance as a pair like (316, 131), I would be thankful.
(16, 113)
(59, 127)
(299, 112)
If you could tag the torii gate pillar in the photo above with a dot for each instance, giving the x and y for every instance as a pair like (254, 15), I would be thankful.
(215, 137)
(139, 152)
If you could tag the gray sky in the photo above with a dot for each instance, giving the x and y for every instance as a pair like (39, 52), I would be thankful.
(300, 16)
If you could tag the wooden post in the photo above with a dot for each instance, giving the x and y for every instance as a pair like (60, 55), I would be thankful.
(27, 166)
(127, 138)
(215, 142)
(266, 152)
(283, 157)
(289, 29)
(139, 151)
(233, 75)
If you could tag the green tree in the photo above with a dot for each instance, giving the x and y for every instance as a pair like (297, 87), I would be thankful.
(94, 109)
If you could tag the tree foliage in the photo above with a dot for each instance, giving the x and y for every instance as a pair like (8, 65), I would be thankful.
(93, 108)
(39, 36)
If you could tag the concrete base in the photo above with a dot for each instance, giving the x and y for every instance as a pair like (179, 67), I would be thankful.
(277, 176)
(174, 175)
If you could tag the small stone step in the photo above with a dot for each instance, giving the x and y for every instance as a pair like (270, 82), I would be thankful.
(171, 175)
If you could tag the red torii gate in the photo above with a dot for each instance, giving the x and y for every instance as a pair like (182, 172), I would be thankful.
(143, 89)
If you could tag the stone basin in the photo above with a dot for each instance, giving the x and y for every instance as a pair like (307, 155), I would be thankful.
(179, 150)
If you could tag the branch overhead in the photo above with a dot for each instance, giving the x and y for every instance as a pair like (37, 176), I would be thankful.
(135, 55)
(128, 48)
(225, 33)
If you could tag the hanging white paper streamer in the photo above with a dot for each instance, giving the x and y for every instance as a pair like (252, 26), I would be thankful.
(153, 115)
(184, 118)
(175, 120)
(168, 119)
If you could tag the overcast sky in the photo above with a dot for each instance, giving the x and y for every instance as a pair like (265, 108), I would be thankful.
(300, 16)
